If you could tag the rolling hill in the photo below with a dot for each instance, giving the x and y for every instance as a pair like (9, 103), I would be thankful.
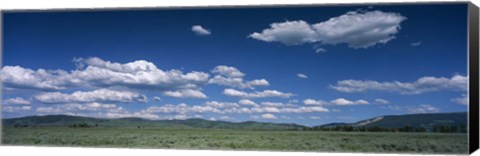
(426, 121)
(65, 120)
(414, 120)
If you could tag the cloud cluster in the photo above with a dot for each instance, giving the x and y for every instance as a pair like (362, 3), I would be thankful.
(100, 95)
(232, 77)
(94, 109)
(16, 101)
(358, 29)
(256, 94)
(186, 93)
(95, 72)
(422, 85)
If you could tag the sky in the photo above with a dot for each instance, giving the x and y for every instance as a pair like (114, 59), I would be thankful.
(306, 65)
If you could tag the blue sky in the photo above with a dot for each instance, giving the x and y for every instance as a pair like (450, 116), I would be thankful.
(306, 65)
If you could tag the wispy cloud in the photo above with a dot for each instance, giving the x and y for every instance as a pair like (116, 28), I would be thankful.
(381, 101)
(421, 85)
(424, 108)
(302, 76)
(414, 44)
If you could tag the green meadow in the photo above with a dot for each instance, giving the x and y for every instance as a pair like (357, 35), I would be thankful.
(258, 140)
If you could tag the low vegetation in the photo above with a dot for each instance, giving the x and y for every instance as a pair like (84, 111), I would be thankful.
(263, 140)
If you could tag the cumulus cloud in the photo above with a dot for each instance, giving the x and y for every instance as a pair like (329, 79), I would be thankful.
(41, 79)
(257, 94)
(186, 93)
(421, 85)
(156, 98)
(232, 77)
(94, 109)
(17, 101)
(269, 116)
(303, 76)
(217, 104)
(247, 102)
(425, 108)
(381, 101)
(95, 72)
(227, 71)
(199, 30)
(100, 95)
(345, 102)
(358, 29)
(314, 102)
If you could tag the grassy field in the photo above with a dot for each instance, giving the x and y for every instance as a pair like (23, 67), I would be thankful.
(239, 140)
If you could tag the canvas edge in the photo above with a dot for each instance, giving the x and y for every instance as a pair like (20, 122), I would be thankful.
(473, 56)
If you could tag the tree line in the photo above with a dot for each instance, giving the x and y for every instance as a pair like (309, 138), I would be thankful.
(82, 125)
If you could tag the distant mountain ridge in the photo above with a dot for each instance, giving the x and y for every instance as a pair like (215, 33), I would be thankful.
(387, 121)
(66, 120)
(427, 120)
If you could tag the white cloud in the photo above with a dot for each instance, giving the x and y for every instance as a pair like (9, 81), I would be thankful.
(293, 101)
(273, 104)
(227, 71)
(13, 109)
(17, 100)
(181, 109)
(41, 79)
(314, 102)
(315, 117)
(358, 29)
(257, 94)
(422, 85)
(345, 102)
(247, 102)
(181, 117)
(425, 108)
(156, 98)
(93, 109)
(414, 44)
(461, 100)
(138, 74)
(217, 104)
(288, 32)
(232, 77)
(186, 93)
(199, 30)
(259, 82)
(381, 101)
(100, 95)
(320, 50)
(303, 76)
(269, 116)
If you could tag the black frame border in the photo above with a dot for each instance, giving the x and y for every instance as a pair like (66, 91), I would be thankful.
(473, 41)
